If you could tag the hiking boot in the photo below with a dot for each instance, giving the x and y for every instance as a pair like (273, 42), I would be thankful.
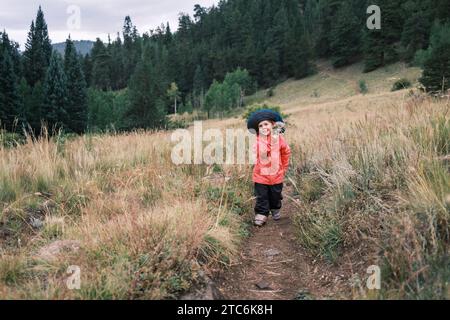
(260, 220)
(276, 215)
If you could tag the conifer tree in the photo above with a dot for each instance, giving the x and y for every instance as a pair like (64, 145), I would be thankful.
(9, 99)
(373, 50)
(24, 111)
(87, 68)
(132, 47)
(417, 27)
(436, 73)
(271, 66)
(442, 8)
(299, 53)
(328, 10)
(13, 49)
(35, 106)
(199, 87)
(53, 110)
(76, 106)
(345, 36)
(147, 109)
(101, 61)
(380, 45)
(38, 50)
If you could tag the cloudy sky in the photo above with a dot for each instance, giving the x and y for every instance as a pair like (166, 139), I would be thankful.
(88, 19)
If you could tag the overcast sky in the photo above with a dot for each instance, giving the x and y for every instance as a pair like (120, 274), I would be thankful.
(97, 19)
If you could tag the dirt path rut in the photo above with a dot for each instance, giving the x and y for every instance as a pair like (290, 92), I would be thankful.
(273, 266)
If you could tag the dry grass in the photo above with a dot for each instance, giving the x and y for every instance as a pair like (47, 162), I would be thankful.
(146, 227)
(330, 85)
(374, 190)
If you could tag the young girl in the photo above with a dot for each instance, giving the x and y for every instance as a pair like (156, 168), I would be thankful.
(272, 162)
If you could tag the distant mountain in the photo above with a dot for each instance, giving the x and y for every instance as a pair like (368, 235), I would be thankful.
(83, 46)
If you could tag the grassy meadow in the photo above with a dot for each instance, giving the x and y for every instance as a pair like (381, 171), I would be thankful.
(371, 172)
(145, 227)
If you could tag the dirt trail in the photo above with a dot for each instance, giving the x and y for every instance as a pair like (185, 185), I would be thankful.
(273, 266)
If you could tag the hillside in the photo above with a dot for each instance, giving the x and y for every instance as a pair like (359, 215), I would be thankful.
(83, 47)
(333, 88)
(330, 84)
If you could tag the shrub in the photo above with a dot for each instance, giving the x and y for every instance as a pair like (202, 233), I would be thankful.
(401, 84)
(363, 87)
(177, 124)
(10, 140)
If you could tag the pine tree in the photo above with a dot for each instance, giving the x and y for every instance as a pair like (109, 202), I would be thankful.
(299, 53)
(132, 47)
(328, 11)
(416, 31)
(35, 106)
(9, 98)
(87, 68)
(24, 111)
(53, 111)
(38, 50)
(312, 20)
(380, 45)
(345, 36)
(271, 66)
(199, 87)
(76, 106)
(373, 50)
(147, 109)
(436, 73)
(118, 75)
(280, 37)
(13, 49)
(392, 26)
(100, 78)
(442, 8)
(42, 35)
(168, 36)
(160, 62)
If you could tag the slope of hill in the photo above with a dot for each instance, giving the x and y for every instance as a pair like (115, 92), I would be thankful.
(330, 84)
(83, 46)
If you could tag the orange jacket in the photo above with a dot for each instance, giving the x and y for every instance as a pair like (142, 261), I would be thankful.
(272, 160)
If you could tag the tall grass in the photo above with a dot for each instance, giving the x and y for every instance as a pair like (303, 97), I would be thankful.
(378, 192)
(145, 226)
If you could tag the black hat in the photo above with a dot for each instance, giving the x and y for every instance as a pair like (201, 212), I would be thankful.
(262, 115)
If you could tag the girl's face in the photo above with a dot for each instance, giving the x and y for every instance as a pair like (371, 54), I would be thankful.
(266, 127)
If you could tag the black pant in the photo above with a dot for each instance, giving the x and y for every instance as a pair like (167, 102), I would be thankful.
(268, 198)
